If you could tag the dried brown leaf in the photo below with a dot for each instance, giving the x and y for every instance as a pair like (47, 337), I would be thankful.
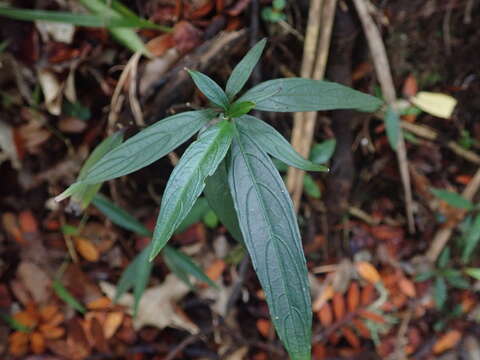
(37, 342)
(87, 249)
(367, 271)
(339, 306)
(351, 337)
(112, 323)
(353, 296)
(325, 315)
(447, 341)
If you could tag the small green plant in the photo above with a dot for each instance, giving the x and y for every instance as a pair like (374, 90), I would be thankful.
(275, 12)
(230, 163)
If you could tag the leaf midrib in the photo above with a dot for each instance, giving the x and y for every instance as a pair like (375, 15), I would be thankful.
(243, 152)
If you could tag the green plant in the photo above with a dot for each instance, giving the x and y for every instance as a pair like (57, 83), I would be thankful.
(230, 163)
(470, 227)
(112, 14)
(275, 12)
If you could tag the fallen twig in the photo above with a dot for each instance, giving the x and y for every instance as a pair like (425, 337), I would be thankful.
(384, 75)
(322, 12)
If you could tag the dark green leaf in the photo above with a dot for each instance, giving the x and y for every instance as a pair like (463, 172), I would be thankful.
(473, 272)
(452, 198)
(76, 110)
(136, 275)
(471, 239)
(195, 215)
(187, 181)
(148, 146)
(392, 127)
(119, 217)
(274, 143)
(244, 68)
(424, 276)
(272, 238)
(181, 263)
(66, 296)
(297, 94)
(322, 152)
(440, 292)
(311, 187)
(220, 199)
(210, 89)
(240, 108)
(444, 258)
(458, 282)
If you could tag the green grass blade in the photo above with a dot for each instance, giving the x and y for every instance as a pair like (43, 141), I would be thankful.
(66, 296)
(452, 199)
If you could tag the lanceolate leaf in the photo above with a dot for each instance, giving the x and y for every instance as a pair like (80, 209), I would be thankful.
(471, 240)
(210, 89)
(220, 199)
(243, 70)
(274, 143)
(119, 216)
(297, 94)
(148, 145)
(392, 126)
(180, 263)
(187, 181)
(136, 275)
(452, 198)
(272, 238)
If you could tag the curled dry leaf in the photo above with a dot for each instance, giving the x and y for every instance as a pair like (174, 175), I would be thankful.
(447, 341)
(52, 90)
(367, 271)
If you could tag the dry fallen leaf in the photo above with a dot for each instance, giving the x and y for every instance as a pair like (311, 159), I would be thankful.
(447, 341)
(52, 90)
(87, 249)
(436, 104)
(156, 306)
(112, 323)
(367, 271)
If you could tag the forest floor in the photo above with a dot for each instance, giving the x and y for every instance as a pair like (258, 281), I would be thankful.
(382, 288)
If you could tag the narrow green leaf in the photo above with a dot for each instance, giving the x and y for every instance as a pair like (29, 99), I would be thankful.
(136, 275)
(126, 36)
(452, 199)
(129, 15)
(440, 292)
(424, 276)
(243, 70)
(148, 146)
(274, 143)
(272, 238)
(444, 258)
(471, 240)
(210, 89)
(187, 181)
(14, 324)
(392, 127)
(196, 214)
(473, 272)
(87, 20)
(175, 259)
(297, 94)
(240, 108)
(66, 296)
(119, 216)
(458, 282)
(311, 187)
(322, 152)
(220, 199)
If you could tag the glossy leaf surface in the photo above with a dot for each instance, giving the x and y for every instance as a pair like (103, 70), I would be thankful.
(243, 70)
(274, 143)
(210, 89)
(187, 181)
(272, 238)
(298, 94)
(148, 145)
(220, 199)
